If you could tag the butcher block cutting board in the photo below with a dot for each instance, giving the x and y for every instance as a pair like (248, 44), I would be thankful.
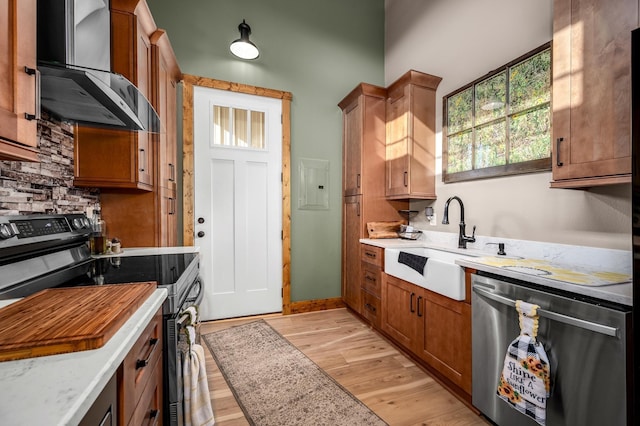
(62, 320)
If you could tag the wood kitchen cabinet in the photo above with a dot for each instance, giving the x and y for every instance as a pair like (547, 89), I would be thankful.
(445, 343)
(433, 327)
(400, 317)
(19, 107)
(140, 378)
(145, 163)
(410, 136)
(118, 159)
(363, 111)
(372, 263)
(592, 92)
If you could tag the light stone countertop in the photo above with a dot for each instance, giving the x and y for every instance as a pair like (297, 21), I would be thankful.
(60, 389)
(617, 293)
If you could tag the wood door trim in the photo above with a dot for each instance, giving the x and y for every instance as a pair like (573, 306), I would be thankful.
(188, 184)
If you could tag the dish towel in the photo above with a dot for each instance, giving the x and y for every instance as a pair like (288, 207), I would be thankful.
(197, 402)
(525, 380)
(413, 261)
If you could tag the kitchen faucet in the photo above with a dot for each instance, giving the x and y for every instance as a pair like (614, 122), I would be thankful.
(462, 238)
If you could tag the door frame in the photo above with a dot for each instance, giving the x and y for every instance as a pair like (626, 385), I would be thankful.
(188, 184)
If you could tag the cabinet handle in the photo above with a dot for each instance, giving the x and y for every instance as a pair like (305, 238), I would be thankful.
(36, 73)
(370, 278)
(370, 254)
(172, 205)
(358, 206)
(406, 178)
(558, 162)
(358, 180)
(419, 299)
(141, 363)
(141, 157)
(370, 307)
(172, 173)
(411, 302)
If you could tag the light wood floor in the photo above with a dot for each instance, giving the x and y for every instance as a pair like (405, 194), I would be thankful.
(368, 366)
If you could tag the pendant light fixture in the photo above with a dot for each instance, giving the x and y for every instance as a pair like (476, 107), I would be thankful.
(242, 47)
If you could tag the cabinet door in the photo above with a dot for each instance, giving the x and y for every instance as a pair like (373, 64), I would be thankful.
(352, 232)
(399, 310)
(168, 218)
(398, 145)
(112, 159)
(445, 343)
(352, 149)
(592, 89)
(18, 106)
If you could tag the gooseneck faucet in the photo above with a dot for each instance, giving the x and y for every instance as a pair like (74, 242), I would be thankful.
(462, 238)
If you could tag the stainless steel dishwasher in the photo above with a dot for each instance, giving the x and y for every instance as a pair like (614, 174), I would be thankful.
(586, 341)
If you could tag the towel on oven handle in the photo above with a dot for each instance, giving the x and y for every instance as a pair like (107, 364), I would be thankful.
(525, 380)
(197, 403)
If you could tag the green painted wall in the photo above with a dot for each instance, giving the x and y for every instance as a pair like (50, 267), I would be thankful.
(318, 51)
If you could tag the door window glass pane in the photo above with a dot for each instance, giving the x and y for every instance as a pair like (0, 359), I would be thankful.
(238, 127)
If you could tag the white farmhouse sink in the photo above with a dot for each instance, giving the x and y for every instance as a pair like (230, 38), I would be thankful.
(440, 273)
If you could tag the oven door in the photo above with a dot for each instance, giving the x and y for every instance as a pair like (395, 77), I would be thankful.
(175, 352)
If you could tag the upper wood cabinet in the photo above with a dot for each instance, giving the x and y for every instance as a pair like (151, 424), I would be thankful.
(165, 77)
(143, 54)
(18, 81)
(115, 158)
(592, 92)
(410, 138)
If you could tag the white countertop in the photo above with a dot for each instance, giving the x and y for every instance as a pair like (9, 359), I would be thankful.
(617, 293)
(60, 389)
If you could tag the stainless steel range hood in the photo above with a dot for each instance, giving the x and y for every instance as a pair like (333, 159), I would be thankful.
(74, 51)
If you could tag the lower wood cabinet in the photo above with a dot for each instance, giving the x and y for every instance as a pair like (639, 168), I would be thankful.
(140, 378)
(372, 262)
(433, 327)
(446, 337)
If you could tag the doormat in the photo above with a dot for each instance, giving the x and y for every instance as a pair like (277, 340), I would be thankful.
(276, 384)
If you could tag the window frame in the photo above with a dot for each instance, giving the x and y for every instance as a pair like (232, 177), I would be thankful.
(531, 166)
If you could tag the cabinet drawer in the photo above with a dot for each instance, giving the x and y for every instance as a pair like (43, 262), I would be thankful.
(140, 366)
(371, 308)
(372, 254)
(149, 409)
(371, 277)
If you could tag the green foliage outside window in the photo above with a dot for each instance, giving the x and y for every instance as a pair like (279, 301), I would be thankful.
(501, 120)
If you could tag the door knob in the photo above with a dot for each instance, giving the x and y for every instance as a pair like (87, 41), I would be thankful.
(201, 220)
(200, 234)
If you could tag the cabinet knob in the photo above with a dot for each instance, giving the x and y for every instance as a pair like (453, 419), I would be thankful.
(200, 234)
(201, 220)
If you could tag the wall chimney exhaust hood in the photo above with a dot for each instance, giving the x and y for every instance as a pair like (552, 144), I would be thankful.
(74, 60)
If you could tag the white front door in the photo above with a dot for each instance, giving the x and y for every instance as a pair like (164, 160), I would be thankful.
(238, 202)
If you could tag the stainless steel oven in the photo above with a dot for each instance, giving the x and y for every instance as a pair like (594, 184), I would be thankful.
(44, 251)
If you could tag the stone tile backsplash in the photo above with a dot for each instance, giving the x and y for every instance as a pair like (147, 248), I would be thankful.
(47, 186)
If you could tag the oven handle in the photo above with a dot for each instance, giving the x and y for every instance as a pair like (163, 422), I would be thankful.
(141, 363)
(576, 322)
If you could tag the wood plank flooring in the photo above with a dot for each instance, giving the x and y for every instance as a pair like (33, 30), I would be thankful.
(392, 385)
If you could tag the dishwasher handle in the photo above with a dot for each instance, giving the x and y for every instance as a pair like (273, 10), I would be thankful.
(576, 322)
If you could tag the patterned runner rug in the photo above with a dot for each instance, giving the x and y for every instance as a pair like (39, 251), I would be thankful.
(276, 384)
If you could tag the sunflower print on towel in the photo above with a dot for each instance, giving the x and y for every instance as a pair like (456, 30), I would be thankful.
(526, 378)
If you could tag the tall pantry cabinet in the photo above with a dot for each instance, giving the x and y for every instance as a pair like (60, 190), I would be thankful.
(364, 145)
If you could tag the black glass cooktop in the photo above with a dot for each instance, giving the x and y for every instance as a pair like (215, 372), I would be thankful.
(165, 269)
